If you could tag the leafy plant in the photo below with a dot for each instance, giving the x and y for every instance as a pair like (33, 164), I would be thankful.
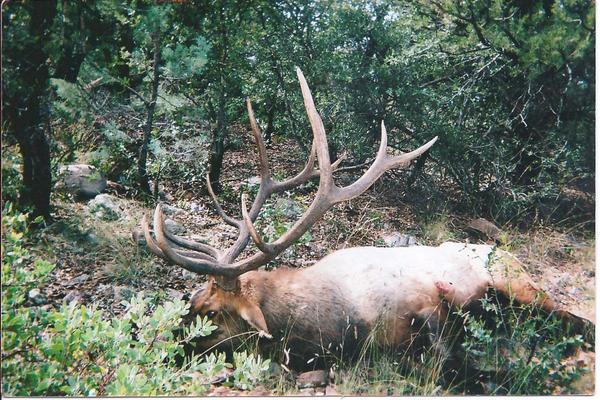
(524, 349)
(74, 350)
(277, 218)
(249, 369)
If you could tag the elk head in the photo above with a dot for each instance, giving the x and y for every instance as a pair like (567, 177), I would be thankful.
(232, 298)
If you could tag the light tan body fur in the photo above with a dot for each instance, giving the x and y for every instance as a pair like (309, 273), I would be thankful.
(353, 293)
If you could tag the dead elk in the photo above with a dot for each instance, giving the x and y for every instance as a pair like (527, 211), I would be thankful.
(350, 296)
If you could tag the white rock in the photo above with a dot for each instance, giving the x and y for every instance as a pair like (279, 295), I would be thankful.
(174, 227)
(397, 239)
(105, 207)
(81, 179)
(195, 207)
(36, 297)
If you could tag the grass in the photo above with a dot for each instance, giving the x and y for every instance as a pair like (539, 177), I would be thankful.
(437, 229)
(104, 244)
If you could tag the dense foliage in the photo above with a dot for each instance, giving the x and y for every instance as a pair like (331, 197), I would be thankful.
(507, 85)
(522, 349)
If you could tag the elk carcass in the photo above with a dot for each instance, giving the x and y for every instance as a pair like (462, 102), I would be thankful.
(352, 296)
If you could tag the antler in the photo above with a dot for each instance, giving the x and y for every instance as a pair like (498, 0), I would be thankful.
(204, 259)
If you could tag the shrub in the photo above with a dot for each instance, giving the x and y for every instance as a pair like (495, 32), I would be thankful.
(74, 350)
(11, 174)
(524, 349)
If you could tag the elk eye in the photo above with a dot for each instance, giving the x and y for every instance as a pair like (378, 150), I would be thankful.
(211, 314)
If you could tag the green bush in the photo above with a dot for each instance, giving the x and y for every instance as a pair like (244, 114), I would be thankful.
(524, 348)
(11, 174)
(74, 350)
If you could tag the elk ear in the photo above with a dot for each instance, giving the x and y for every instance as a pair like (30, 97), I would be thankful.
(252, 314)
(211, 285)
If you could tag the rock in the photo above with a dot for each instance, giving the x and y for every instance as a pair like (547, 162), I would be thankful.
(171, 210)
(252, 181)
(81, 179)
(104, 206)
(397, 239)
(312, 379)
(175, 294)
(174, 227)
(195, 207)
(289, 208)
(36, 297)
(485, 228)
(73, 296)
(78, 280)
(92, 238)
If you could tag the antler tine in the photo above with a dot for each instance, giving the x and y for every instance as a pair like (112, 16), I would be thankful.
(153, 247)
(382, 163)
(262, 246)
(265, 172)
(150, 240)
(325, 178)
(199, 266)
(230, 221)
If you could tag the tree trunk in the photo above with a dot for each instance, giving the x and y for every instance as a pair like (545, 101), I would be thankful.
(23, 107)
(218, 144)
(73, 51)
(417, 171)
(270, 122)
(37, 176)
(150, 107)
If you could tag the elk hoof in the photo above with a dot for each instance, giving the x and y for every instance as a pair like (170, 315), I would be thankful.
(264, 334)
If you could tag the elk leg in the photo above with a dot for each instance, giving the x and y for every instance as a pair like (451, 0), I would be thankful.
(526, 292)
(445, 341)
